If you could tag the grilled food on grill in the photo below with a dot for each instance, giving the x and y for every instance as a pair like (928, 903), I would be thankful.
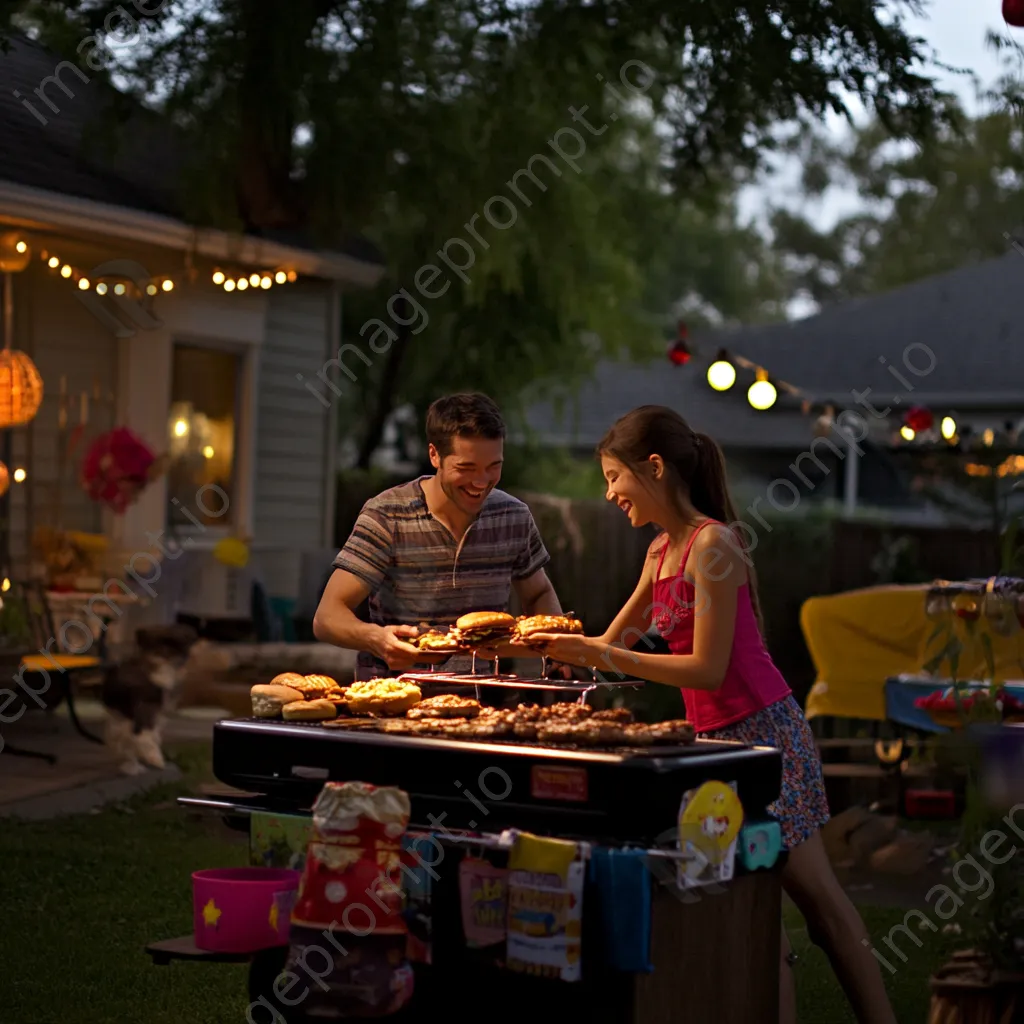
(445, 705)
(313, 687)
(676, 731)
(309, 711)
(382, 697)
(621, 715)
(529, 625)
(480, 628)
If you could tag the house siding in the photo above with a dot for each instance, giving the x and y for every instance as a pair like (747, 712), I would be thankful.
(290, 492)
(65, 341)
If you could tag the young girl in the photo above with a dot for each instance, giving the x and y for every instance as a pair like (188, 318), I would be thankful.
(699, 589)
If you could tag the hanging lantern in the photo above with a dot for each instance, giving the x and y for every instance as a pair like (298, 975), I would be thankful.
(919, 419)
(1013, 13)
(679, 353)
(21, 389)
(14, 253)
(5, 479)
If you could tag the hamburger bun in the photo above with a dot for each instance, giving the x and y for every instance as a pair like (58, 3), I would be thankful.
(269, 700)
(287, 679)
(309, 711)
(481, 621)
(315, 686)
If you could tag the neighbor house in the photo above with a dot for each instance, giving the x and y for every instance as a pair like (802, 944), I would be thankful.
(212, 377)
(952, 344)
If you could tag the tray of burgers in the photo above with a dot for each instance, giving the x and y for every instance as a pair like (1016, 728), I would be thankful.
(497, 634)
(397, 707)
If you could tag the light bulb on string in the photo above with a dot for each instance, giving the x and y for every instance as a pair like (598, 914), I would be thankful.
(291, 276)
(218, 277)
(265, 282)
(280, 277)
(120, 288)
(907, 433)
(254, 280)
(721, 373)
(53, 263)
(948, 428)
(151, 289)
(229, 285)
(83, 284)
(762, 394)
(66, 271)
(167, 285)
(242, 284)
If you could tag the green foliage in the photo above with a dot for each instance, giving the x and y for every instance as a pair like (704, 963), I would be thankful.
(929, 206)
(551, 471)
(401, 120)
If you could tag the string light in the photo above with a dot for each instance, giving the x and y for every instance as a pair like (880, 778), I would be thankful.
(240, 282)
(208, 452)
(948, 428)
(19, 475)
(762, 393)
(721, 373)
(907, 433)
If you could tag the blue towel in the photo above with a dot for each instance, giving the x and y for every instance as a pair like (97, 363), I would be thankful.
(624, 889)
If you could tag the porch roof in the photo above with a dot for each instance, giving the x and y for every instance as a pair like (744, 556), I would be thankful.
(80, 156)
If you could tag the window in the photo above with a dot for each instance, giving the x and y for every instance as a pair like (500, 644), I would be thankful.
(201, 437)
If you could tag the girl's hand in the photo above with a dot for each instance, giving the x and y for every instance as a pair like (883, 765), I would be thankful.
(569, 648)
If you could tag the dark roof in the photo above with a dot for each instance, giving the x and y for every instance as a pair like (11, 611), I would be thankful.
(970, 320)
(98, 144)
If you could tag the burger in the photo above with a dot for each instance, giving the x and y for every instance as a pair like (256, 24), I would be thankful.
(436, 642)
(477, 629)
(531, 625)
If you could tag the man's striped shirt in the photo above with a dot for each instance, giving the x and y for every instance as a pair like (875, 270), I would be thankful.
(418, 572)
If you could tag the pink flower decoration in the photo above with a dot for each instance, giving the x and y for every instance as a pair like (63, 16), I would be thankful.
(117, 468)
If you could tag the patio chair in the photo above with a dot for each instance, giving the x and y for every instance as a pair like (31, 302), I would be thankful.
(62, 669)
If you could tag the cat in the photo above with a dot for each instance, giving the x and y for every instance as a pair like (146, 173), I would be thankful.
(140, 691)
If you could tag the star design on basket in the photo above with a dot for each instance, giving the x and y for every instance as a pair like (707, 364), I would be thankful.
(211, 914)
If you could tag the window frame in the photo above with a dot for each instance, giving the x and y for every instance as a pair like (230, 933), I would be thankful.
(205, 537)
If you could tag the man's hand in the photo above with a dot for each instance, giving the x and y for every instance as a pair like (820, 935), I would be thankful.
(392, 648)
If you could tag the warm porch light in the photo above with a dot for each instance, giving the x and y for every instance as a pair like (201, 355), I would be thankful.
(14, 254)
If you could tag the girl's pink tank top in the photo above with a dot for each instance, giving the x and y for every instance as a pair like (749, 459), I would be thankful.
(752, 682)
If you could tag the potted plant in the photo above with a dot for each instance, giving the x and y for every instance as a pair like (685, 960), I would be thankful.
(984, 983)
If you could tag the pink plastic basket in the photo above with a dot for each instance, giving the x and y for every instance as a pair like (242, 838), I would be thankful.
(242, 910)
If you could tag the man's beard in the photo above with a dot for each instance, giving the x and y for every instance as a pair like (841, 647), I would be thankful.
(457, 498)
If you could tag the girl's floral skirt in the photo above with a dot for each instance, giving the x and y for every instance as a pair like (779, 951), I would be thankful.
(802, 808)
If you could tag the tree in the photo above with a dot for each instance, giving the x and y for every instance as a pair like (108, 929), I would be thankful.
(953, 197)
(403, 119)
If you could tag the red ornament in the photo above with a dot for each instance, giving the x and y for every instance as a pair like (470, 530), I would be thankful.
(1013, 13)
(679, 354)
(919, 419)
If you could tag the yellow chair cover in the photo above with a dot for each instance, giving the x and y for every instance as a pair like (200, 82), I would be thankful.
(859, 639)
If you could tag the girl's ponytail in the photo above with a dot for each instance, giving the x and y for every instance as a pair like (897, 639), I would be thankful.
(709, 494)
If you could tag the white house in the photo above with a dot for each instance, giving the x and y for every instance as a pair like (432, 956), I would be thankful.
(208, 375)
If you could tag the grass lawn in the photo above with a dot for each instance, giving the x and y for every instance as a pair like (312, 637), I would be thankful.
(83, 895)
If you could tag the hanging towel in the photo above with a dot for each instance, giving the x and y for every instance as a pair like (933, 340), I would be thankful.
(623, 883)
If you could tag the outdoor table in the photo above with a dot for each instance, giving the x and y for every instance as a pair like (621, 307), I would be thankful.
(902, 691)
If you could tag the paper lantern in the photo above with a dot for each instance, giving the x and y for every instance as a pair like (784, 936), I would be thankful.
(21, 389)
(14, 253)
(5, 479)
(1013, 13)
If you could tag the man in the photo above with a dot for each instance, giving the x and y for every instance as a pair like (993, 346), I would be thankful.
(433, 549)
